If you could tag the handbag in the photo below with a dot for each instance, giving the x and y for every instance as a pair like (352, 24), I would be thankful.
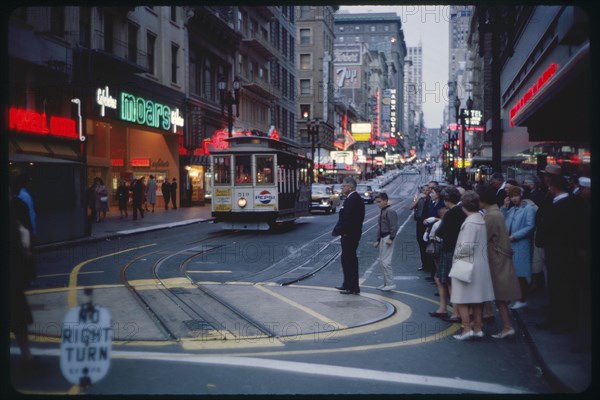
(461, 270)
(432, 248)
(104, 199)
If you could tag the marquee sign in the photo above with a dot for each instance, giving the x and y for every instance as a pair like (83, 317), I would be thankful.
(532, 91)
(28, 121)
(139, 110)
(347, 54)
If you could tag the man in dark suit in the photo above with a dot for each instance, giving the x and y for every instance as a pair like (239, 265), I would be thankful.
(498, 184)
(349, 227)
(562, 234)
(137, 190)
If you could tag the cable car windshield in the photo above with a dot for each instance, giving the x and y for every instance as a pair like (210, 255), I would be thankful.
(243, 170)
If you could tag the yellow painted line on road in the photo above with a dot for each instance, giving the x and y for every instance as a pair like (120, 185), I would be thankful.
(72, 296)
(209, 272)
(299, 306)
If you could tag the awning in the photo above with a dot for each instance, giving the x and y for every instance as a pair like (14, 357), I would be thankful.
(63, 151)
(34, 158)
(199, 160)
(24, 148)
(560, 110)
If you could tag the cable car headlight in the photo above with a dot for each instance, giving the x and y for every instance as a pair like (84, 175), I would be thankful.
(242, 202)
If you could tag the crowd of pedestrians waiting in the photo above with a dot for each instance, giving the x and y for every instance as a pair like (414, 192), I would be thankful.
(518, 238)
(138, 195)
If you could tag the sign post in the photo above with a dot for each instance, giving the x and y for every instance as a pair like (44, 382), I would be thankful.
(86, 343)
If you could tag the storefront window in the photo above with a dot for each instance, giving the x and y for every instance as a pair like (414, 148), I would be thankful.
(243, 170)
(222, 170)
(264, 169)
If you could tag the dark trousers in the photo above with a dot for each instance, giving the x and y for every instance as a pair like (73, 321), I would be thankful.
(564, 291)
(137, 206)
(167, 199)
(350, 262)
(421, 228)
(174, 200)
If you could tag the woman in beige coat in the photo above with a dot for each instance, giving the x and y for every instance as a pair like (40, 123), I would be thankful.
(471, 246)
(504, 276)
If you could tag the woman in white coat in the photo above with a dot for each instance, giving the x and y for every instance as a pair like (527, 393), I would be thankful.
(471, 247)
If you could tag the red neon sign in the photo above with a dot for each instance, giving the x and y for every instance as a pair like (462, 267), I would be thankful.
(28, 121)
(140, 162)
(532, 91)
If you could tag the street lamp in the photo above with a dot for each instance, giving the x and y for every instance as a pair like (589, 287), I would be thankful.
(462, 149)
(372, 153)
(312, 128)
(230, 99)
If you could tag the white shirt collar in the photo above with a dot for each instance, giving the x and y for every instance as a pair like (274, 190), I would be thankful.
(560, 197)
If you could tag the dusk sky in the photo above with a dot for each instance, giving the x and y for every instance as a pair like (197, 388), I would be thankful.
(429, 25)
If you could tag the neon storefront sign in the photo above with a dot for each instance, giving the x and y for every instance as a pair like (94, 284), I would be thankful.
(23, 120)
(139, 110)
(532, 91)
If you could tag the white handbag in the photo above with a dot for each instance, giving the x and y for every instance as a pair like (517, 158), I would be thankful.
(461, 270)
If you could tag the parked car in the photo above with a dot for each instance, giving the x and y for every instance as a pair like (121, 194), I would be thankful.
(324, 199)
(366, 192)
(410, 171)
(376, 188)
(337, 189)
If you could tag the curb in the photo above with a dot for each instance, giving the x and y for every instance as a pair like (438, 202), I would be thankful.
(117, 235)
(553, 379)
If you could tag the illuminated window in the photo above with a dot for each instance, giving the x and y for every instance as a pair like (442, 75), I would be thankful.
(243, 170)
(305, 62)
(264, 169)
(222, 170)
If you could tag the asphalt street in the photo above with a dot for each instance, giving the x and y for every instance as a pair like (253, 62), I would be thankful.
(173, 337)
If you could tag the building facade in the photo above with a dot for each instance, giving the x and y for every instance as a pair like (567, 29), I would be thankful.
(379, 32)
(315, 97)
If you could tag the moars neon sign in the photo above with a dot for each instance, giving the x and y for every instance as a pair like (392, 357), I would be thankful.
(532, 91)
(22, 120)
(138, 110)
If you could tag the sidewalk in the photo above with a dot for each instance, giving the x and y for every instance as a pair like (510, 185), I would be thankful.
(114, 226)
(564, 358)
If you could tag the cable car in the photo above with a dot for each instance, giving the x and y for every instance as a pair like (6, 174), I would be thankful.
(259, 181)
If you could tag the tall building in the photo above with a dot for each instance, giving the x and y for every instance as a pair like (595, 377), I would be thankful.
(379, 32)
(94, 92)
(459, 26)
(315, 100)
(413, 95)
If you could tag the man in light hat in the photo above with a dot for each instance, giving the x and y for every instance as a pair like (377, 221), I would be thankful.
(585, 184)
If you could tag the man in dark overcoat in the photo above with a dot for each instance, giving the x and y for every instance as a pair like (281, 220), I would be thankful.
(349, 227)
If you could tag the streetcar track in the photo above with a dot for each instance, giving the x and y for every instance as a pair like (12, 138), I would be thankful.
(180, 298)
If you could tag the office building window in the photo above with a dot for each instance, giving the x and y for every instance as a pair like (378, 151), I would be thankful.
(304, 111)
(57, 21)
(174, 66)
(305, 87)
(305, 36)
(132, 34)
(305, 61)
(150, 44)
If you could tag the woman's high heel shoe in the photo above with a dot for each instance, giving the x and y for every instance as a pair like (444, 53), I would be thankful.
(465, 336)
(503, 335)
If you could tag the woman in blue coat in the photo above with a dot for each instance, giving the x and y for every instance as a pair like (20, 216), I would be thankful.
(520, 222)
